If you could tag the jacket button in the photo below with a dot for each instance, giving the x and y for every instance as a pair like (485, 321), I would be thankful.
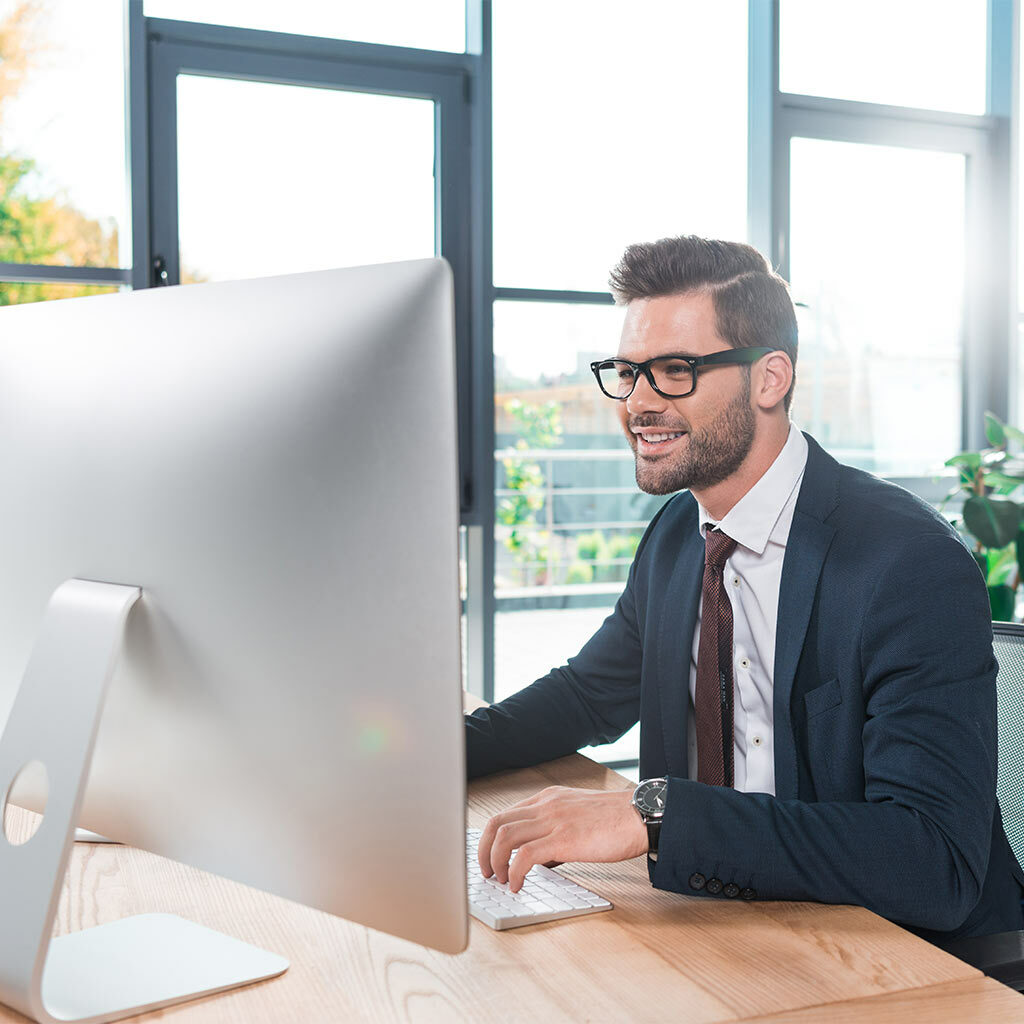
(732, 890)
(697, 880)
(714, 886)
(748, 893)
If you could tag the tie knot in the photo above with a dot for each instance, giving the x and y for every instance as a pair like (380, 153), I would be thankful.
(718, 547)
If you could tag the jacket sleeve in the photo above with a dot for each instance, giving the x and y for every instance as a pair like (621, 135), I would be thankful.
(594, 698)
(916, 851)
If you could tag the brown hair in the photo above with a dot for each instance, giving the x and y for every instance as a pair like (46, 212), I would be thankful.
(752, 303)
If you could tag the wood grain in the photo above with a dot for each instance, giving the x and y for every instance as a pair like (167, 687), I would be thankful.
(980, 999)
(656, 957)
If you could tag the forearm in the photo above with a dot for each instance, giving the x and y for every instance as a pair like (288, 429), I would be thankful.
(886, 856)
(549, 719)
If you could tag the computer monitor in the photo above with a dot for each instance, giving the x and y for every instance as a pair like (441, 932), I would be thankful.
(272, 464)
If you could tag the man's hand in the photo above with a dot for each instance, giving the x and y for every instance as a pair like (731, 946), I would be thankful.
(561, 824)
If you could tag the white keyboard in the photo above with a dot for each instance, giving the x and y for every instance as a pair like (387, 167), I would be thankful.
(545, 896)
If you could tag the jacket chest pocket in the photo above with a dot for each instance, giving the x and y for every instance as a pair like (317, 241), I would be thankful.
(823, 698)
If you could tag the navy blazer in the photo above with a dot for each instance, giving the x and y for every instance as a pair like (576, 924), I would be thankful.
(884, 715)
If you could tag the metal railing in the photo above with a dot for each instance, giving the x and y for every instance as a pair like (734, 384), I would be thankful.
(556, 557)
(549, 571)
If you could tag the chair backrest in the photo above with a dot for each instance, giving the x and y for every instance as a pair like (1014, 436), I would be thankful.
(1008, 643)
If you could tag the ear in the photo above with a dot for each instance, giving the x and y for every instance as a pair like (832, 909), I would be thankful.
(772, 380)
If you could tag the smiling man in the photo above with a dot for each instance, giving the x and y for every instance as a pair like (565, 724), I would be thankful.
(807, 648)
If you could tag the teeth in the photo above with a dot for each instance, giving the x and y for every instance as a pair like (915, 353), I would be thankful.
(656, 438)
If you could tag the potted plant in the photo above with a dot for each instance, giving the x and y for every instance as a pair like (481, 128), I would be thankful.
(991, 518)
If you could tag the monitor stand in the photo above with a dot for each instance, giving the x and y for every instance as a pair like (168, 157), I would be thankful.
(114, 970)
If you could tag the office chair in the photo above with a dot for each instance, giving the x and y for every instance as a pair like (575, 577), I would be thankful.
(1002, 956)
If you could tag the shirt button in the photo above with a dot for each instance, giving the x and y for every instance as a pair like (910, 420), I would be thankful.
(756, 740)
(731, 889)
(735, 581)
(714, 886)
(745, 662)
(747, 894)
(697, 880)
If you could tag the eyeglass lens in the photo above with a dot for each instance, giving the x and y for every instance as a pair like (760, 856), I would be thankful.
(672, 376)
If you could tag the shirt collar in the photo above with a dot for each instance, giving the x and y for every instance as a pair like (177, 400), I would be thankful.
(753, 519)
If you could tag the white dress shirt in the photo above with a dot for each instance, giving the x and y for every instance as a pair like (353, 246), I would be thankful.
(759, 523)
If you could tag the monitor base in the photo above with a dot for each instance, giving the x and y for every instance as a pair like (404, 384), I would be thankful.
(114, 970)
(143, 963)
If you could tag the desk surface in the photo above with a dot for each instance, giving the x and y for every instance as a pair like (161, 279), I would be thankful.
(699, 960)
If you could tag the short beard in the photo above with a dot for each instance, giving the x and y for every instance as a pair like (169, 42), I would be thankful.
(710, 456)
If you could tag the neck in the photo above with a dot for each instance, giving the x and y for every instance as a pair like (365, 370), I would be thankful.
(722, 497)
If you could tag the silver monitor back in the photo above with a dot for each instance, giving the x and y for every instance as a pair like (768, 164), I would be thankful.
(274, 463)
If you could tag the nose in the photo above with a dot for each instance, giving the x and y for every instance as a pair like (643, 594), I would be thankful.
(644, 398)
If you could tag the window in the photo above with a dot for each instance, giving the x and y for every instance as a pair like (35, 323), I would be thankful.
(271, 196)
(62, 96)
(613, 125)
(914, 53)
(433, 25)
(877, 261)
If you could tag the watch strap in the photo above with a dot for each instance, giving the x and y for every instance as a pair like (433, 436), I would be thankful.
(653, 834)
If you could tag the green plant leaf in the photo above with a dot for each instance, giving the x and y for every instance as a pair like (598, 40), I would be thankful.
(1002, 566)
(1014, 432)
(994, 430)
(1002, 600)
(968, 460)
(1000, 479)
(993, 520)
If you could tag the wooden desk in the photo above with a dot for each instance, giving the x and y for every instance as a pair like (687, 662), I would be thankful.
(698, 960)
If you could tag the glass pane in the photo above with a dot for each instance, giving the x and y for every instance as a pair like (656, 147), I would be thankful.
(1018, 408)
(272, 197)
(62, 150)
(878, 257)
(915, 53)
(1018, 411)
(12, 293)
(612, 126)
(569, 514)
(1020, 205)
(424, 24)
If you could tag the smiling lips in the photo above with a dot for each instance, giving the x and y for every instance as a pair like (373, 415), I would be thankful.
(650, 442)
(655, 438)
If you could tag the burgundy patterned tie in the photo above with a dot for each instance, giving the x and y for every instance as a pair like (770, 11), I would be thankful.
(713, 697)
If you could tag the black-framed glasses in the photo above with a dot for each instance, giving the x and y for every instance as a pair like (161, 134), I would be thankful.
(670, 376)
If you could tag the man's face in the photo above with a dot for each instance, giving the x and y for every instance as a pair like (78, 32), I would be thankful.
(710, 432)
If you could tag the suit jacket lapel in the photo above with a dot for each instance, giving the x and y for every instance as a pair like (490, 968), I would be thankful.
(675, 643)
(809, 539)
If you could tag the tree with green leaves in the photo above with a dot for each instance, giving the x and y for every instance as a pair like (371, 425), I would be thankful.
(539, 426)
(36, 228)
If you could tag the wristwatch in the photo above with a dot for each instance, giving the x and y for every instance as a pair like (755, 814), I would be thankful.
(649, 801)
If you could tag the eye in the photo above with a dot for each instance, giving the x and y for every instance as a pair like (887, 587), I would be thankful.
(625, 373)
(676, 368)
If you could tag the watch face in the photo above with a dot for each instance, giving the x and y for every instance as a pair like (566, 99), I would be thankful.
(649, 798)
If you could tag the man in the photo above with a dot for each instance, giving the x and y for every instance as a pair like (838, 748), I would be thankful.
(808, 648)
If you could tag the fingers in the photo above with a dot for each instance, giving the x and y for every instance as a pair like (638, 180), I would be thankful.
(521, 826)
(486, 855)
(507, 837)
(528, 855)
